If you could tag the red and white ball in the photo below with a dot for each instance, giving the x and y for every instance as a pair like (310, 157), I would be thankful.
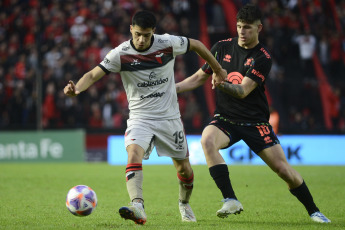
(81, 200)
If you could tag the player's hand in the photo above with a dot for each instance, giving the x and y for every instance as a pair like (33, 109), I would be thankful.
(215, 83)
(70, 89)
(218, 78)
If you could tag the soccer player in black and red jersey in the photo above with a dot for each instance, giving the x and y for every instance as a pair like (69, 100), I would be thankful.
(242, 112)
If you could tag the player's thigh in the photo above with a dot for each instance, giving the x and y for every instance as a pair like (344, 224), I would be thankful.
(274, 157)
(135, 153)
(170, 139)
(139, 139)
(214, 138)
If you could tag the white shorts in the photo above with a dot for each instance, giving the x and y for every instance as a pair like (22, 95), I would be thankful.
(167, 136)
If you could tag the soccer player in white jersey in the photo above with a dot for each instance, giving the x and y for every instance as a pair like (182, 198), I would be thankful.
(146, 65)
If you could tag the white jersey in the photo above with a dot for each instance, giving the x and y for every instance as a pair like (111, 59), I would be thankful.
(148, 76)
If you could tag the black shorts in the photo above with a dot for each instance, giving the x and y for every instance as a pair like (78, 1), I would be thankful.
(257, 136)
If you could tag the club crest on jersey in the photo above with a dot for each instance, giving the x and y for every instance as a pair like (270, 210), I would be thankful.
(135, 62)
(159, 57)
(249, 62)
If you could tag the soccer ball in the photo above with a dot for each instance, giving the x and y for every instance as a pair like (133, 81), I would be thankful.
(81, 200)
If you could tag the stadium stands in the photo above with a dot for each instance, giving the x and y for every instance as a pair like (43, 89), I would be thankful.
(46, 43)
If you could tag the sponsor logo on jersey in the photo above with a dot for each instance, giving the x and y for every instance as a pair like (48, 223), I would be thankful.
(182, 41)
(226, 40)
(162, 41)
(152, 76)
(135, 62)
(125, 48)
(266, 53)
(106, 61)
(152, 83)
(249, 62)
(227, 58)
(152, 95)
(235, 78)
(258, 74)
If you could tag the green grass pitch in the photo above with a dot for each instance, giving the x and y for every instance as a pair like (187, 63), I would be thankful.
(33, 197)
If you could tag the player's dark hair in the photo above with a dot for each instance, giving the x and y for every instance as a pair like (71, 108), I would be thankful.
(144, 19)
(249, 14)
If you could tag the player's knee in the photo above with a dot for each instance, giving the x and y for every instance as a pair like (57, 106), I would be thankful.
(134, 156)
(183, 167)
(208, 144)
(185, 171)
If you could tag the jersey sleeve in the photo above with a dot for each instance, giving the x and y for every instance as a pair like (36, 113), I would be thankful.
(206, 67)
(260, 70)
(111, 62)
(180, 44)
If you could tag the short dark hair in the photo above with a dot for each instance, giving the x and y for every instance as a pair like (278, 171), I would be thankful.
(144, 19)
(249, 14)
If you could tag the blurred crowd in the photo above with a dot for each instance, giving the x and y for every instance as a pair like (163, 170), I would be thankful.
(47, 43)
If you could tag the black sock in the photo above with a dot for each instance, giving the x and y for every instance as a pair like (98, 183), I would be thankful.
(220, 175)
(304, 196)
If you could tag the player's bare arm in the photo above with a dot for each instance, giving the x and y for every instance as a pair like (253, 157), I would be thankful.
(203, 52)
(192, 82)
(237, 90)
(84, 83)
(199, 77)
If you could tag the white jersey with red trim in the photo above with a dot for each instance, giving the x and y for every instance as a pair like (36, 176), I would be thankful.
(148, 76)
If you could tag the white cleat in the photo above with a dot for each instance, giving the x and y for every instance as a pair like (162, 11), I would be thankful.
(135, 212)
(319, 217)
(230, 206)
(186, 212)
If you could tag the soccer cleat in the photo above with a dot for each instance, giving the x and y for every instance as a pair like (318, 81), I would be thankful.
(230, 206)
(319, 217)
(135, 211)
(186, 212)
